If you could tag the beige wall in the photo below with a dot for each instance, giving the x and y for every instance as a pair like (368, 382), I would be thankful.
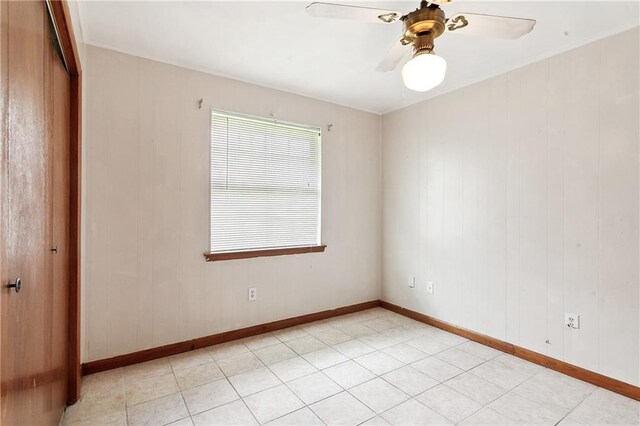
(518, 198)
(147, 206)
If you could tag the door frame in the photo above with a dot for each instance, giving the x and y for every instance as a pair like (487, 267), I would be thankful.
(63, 23)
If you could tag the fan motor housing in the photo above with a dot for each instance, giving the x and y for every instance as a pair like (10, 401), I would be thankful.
(428, 20)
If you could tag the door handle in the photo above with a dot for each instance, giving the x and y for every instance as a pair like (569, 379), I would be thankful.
(17, 285)
(55, 250)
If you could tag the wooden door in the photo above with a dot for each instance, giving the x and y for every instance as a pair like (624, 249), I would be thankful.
(34, 204)
(60, 139)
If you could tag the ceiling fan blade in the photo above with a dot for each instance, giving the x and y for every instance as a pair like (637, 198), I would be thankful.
(490, 25)
(343, 11)
(394, 57)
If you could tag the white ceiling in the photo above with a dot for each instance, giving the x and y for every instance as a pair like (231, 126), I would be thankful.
(277, 44)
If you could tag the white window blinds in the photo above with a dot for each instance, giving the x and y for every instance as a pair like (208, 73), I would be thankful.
(265, 184)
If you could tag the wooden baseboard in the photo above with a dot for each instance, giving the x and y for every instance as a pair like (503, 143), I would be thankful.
(597, 379)
(592, 377)
(202, 342)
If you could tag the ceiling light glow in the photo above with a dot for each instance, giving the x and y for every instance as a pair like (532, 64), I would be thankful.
(424, 71)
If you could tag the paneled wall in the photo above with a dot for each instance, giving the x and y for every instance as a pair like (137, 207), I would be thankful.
(518, 197)
(147, 207)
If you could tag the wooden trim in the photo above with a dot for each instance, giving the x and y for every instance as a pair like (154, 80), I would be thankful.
(580, 373)
(526, 354)
(75, 238)
(62, 18)
(4, 100)
(213, 257)
(227, 336)
(468, 334)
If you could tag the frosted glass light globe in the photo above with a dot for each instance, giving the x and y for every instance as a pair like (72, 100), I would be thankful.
(424, 72)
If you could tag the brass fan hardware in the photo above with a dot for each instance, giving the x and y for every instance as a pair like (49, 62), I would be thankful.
(423, 44)
(423, 25)
(457, 22)
(389, 17)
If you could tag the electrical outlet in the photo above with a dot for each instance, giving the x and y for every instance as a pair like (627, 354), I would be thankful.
(429, 287)
(572, 320)
(253, 294)
(411, 281)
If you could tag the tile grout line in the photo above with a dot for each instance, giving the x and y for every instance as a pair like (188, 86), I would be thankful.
(285, 383)
(241, 399)
(572, 409)
(343, 389)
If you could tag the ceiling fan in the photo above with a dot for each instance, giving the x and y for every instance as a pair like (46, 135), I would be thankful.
(421, 27)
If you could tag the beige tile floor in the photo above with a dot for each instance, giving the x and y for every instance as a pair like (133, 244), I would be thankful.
(372, 367)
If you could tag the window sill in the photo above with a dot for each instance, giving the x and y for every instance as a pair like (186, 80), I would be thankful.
(214, 257)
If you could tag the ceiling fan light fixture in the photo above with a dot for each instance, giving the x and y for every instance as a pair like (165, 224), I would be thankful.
(424, 71)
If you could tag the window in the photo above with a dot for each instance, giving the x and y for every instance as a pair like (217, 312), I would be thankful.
(265, 187)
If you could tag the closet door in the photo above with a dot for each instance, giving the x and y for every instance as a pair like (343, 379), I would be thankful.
(34, 205)
(25, 216)
(59, 144)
